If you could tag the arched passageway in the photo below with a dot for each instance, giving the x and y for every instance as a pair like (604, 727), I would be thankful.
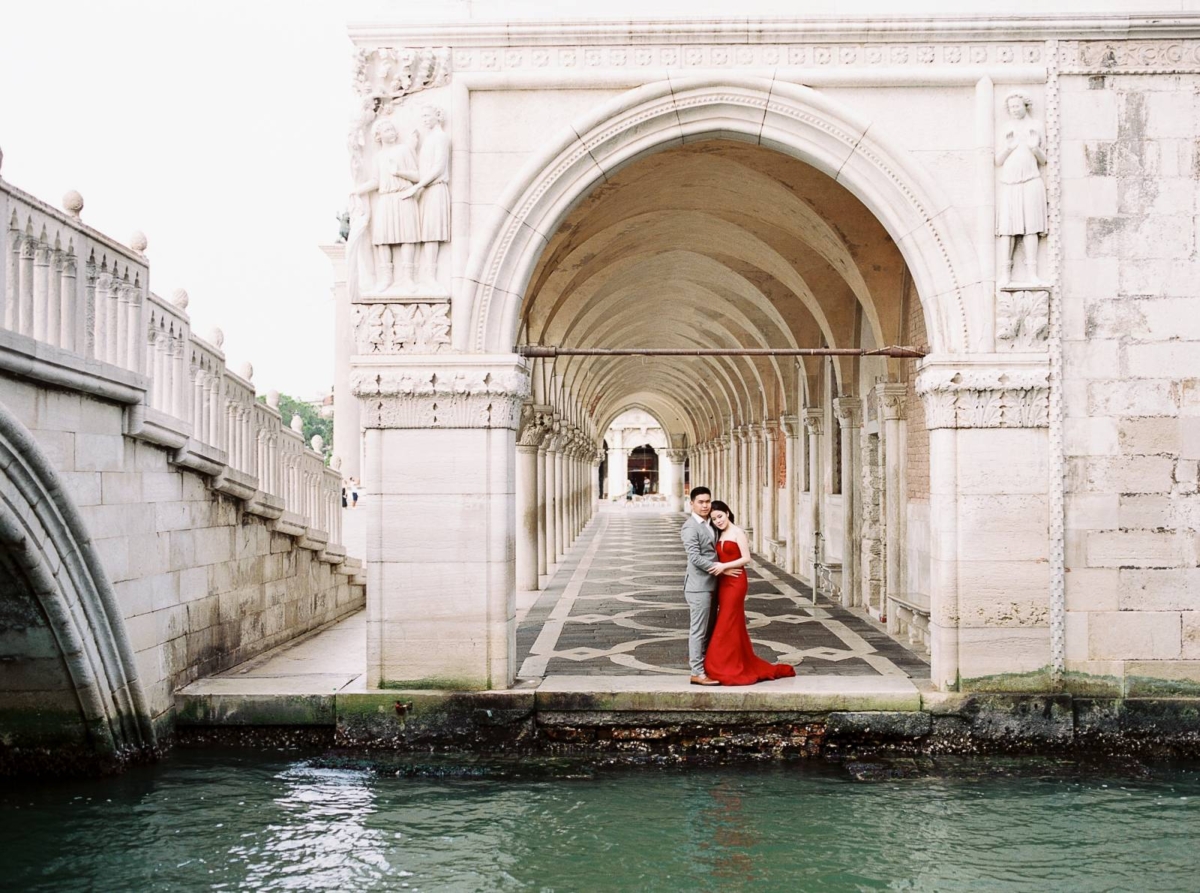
(69, 688)
(737, 213)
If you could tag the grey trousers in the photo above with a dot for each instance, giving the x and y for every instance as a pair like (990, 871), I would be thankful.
(700, 607)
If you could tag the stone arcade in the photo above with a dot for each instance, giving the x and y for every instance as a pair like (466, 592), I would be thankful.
(1015, 196)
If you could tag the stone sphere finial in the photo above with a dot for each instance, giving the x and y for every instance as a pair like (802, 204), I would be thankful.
(179, 298)
(297, 424)
(318, 443)
(216, 338)
(138, 242)
(273, 399)
(245, 370)
(73, 203)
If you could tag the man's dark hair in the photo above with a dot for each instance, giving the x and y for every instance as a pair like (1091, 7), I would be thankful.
(699, 491)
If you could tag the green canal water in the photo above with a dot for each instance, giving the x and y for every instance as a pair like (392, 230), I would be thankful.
(226, 820)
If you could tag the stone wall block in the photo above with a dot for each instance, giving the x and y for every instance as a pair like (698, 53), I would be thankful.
(1150, 436)
(1085, 436)
(1191, 635)
(1133, 398)
(1135, 635)
(99, 452)
(1179, 359)
(1092, 589)
(82, 486)
(1129, 474)
(1136, 548)
(119, 488)
(1158, 589)
(1143, 511)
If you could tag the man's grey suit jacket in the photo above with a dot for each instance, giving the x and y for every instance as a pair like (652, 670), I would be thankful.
(700, 543)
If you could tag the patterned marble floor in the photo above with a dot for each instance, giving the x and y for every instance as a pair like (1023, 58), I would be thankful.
(615, 607)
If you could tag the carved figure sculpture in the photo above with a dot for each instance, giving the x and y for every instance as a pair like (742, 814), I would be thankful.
(395, 218)
(433, 191)
(1021, 213)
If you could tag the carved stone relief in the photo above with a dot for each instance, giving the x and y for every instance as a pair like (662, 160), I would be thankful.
(401, 328)
(1022, 319)
(414, 397)
(1022, 213)
(985, 398)
(400, 205)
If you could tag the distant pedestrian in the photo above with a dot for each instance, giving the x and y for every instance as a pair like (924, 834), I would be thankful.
(353, 493)
(646, 486)
(344, 502)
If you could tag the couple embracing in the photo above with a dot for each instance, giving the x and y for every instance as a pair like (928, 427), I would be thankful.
(718, 551)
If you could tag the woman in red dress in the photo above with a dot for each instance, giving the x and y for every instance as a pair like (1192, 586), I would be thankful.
(730, 658)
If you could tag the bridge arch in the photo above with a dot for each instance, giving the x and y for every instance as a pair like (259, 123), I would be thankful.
(68, 676)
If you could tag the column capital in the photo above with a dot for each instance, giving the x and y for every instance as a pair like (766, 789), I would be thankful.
(892, 397)
(770, 424)
(848, 411)
(675, 456)
(966, 393)
(533, 428)
(814, 421)
(466, 391)
(754, 433)
(790, 425)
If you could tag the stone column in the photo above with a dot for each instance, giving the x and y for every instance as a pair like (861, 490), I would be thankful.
(347, 426)
(529, 441)
(849, 417)
(737, 491)
(755, 486)
(543, 562)
(814, 421)
(891, 397)
(440, 566)
(618, 472)
(770, 509)
(551, 522)
(595, 486)
(722, 460)
(560, 499)
(990, 524)
(791, 433)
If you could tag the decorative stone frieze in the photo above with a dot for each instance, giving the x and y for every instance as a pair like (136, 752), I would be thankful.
(431, 396)
(687, 55)
(991, 396)
(388, 75)
(1022, 318)
(1160, 56)
(395, 328)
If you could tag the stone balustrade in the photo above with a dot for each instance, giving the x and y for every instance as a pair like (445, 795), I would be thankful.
(85, 318)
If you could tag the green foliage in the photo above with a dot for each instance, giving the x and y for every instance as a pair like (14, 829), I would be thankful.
(313, 423)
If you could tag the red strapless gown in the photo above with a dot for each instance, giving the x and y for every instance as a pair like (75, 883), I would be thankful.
(730, 658)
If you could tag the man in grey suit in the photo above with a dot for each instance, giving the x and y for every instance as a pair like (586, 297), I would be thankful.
(700, 584)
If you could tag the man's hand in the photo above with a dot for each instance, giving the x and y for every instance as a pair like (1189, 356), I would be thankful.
(716, 569)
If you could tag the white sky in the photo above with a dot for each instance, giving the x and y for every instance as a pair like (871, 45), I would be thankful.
(217, 128)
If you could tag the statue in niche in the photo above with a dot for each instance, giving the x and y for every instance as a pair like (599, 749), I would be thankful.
(395, 217)
(1021, 214)
(433, 194)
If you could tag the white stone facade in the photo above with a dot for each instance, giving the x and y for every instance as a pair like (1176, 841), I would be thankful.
(1017, 198)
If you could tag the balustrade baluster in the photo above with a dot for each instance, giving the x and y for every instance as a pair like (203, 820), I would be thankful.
(112, 332)
(135, 347)
(23, 322)
(67, 322)
(12, 266)
(179, 407)
(54, 298)
(41, 288)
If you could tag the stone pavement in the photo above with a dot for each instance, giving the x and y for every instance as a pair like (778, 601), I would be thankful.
(615, 607)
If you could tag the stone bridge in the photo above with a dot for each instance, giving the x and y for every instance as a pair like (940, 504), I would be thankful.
(158, 523)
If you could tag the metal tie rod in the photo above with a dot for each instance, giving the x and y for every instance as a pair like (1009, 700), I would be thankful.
(550, 351)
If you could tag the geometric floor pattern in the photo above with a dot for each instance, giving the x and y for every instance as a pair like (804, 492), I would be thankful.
(615, 607)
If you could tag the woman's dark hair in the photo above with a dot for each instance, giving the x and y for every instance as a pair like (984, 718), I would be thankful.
(718, 506)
